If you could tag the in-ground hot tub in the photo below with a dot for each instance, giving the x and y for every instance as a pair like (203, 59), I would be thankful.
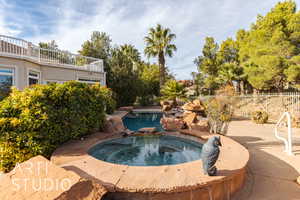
(170, 181)
(147, 150)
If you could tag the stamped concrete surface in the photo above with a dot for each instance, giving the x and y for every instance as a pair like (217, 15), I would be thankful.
(271, 173)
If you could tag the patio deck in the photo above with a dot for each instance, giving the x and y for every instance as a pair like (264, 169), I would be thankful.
(271, 172)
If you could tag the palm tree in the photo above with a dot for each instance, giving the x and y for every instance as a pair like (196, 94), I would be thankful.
(173, 90)
(132, 53)
(158, 43)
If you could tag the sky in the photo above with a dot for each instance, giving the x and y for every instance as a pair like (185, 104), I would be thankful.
(71, 22)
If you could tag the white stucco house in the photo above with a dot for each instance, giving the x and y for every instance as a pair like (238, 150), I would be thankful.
(23, 64)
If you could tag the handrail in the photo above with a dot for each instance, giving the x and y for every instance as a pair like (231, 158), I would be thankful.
(288, 141)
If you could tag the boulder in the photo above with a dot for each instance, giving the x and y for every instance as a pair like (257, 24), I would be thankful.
(113, 124)
(166, 108)
(298, 180)
(147, 130)
(39, 179)
(162, 103)
(196, 106)
(190, 118)
(201, 125)
(172, 123)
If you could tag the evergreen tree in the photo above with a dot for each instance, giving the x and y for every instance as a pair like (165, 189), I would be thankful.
(208, 63)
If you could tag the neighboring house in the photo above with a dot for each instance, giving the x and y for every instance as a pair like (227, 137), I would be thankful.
(23, 64)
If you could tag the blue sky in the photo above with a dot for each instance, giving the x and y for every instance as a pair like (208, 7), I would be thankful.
(70, 22)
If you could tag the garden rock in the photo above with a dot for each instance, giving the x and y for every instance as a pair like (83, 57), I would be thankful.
(148, 130)
(39, 179)
(172, 123)
(190, 118)
(114, 124)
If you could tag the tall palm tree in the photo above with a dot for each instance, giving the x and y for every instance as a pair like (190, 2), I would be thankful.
(158, 43)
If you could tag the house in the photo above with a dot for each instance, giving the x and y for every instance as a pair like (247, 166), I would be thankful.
(23, 64)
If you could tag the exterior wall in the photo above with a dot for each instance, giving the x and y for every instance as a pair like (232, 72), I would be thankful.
(47, 73)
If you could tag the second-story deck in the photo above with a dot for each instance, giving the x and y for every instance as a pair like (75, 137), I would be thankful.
(19, 48)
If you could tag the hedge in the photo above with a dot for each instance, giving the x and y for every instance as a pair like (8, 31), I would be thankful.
(38, 119)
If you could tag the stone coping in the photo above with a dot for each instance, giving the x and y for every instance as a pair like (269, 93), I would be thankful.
(151, 110)
(152, 179)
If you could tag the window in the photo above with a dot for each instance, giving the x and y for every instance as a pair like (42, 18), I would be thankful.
(33, 77)
(53, 81)
(6, 81)
(89, 81)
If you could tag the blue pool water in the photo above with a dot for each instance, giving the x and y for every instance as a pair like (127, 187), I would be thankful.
(148, 150)
(136, 121)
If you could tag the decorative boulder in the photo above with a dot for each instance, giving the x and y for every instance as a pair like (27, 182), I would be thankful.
(147, 130)
(39, 179)
(172, 123)
(190, 118)
(162, 103)
(196, 106)
(166, 108)
(201, 125)
(113, 124)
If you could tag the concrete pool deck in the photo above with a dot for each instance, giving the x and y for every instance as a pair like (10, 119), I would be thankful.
(271, 173)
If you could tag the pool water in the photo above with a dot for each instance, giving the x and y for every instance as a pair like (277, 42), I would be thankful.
(136, 121)
(147, 150)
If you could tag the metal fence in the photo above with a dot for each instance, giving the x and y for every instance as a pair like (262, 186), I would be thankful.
(11, 46)
(273, 103)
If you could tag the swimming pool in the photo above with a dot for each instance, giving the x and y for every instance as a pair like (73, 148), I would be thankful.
(147, 150)
(135, 121)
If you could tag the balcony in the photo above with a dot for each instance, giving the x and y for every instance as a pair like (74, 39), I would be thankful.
(18, 48)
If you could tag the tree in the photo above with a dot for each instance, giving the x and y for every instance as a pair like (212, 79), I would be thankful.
(99, 46)
(293, 72)
(173, 90)
(268, 46)
(148, 83)
(158, 43)
(132, 53)
(208, 64)
(49, 45)
(230, 70)
(124, 79)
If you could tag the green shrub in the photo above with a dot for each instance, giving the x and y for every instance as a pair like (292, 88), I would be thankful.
(37, 120)
(260, 117)
(111, 104)
(147, 100)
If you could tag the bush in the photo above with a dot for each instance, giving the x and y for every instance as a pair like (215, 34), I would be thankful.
(219, 112)
(147, 100)
(111, 104)
(37, 120)
(260, 117)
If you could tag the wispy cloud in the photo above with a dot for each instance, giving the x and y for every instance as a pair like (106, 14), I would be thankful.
(70, 22)
(7, 28)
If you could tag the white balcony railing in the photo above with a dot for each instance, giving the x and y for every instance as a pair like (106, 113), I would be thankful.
(17, 47)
